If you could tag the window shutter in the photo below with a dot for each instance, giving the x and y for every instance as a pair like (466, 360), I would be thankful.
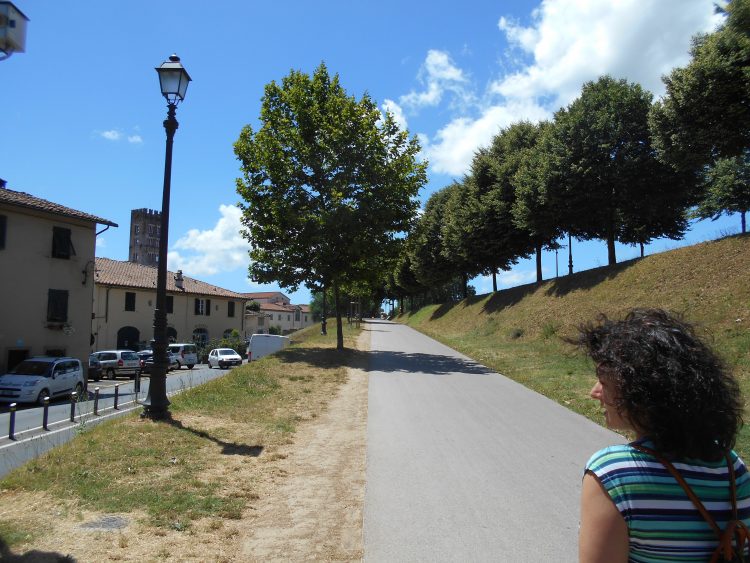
(197, 306)
(230, 309)
(3, 227)
(208, 306)
(57, 306)
(170, 304)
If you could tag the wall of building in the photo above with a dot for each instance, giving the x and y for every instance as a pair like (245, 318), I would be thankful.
(28, 273)
(110, 316)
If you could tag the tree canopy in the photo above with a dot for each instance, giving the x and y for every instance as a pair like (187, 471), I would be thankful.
(328, 182)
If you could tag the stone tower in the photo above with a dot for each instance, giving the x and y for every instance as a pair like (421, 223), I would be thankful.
(145, 231)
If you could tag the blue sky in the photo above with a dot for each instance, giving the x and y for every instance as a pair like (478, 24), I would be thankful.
(82, 111)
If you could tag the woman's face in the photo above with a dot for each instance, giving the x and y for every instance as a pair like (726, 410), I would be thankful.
(604, 392)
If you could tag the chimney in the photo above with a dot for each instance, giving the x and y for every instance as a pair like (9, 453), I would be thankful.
(178, 279)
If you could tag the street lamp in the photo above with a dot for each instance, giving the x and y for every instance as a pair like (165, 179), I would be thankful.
(173, 79)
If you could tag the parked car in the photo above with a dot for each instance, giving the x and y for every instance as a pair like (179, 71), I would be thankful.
(36, 378)
(187, 354)
(261, 345)
(95, 368)
(223, 358)
(115, 363)
(147, 361)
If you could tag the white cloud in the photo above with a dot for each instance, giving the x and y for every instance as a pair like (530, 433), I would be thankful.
(221, 249)
(455, 144)
(438, 74)
(566, 44)
(111, 135)
(512, 278)
(135, 139)
(397, 112)
(101, 243)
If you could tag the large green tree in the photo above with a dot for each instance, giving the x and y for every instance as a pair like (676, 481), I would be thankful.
(327, 184)
(615, 187)
(705, 114)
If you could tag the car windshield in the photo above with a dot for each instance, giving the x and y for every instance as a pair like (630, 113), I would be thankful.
(31, 367)
(227, 352)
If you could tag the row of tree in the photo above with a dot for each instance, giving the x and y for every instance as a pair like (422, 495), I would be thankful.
(611, 166)
(330, 185)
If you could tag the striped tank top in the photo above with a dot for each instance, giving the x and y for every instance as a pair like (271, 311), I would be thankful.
(663, 524)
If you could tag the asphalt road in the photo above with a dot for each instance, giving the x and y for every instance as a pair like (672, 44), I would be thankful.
(464, 464)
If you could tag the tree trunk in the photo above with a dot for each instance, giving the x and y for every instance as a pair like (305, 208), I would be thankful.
(325, 314)
(611, 256)
(641, 249)
(494, 281)
(538, 263)
(339, 324)
(742, 218)
(465, 283)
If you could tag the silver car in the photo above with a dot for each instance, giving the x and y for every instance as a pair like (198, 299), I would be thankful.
(35, 379)
(114, 363)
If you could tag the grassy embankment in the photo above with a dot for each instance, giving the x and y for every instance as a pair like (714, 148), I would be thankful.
(170, 474)
(517, 331)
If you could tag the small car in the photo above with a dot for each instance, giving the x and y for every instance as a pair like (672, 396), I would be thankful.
(147, 361)
(118, 362)
(35, 379)
(223, 358)
(187, 354)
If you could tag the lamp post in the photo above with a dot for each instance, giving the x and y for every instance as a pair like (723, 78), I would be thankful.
(173, 79)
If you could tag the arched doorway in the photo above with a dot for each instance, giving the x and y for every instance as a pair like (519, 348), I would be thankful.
(200, 335)
(128, 338)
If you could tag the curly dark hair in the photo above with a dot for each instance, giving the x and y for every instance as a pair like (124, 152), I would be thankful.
(670, 385)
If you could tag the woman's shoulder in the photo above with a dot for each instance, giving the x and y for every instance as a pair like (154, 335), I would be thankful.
(614, 457)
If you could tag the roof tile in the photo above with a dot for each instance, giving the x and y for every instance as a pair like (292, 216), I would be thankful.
(22, 199)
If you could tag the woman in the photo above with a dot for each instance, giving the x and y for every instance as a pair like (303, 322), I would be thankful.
(660, 382)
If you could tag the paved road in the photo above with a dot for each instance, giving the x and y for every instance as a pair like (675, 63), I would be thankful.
(464, 464)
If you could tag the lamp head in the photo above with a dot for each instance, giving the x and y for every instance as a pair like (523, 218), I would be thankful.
(173, 79)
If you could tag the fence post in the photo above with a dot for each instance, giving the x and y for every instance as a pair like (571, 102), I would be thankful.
(73, 399)
(96, 401)
(12, 426)
(117, 394)
(45, 415)
(137, 383)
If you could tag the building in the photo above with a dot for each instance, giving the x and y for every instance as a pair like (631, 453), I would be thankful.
(124, 300)
(145, 232)
(276, 310)
(47, 281)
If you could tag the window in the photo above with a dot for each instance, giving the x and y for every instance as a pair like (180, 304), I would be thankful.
(203, 307)
(230, 309)
(62, 245)
(137, 229)
(170, 304)
(200, 336)
(305, 318)
(130, 301)
(151, 229)
(289, 318)
(296, 315)
(57, 306)
(261, 320)
(279, 316)
(3, 226)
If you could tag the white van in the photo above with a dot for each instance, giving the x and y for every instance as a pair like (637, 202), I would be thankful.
(263, 344)
(187, 354)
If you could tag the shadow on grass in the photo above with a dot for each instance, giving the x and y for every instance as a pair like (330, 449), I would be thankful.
(226, 447)
(32, 556)
(559, 287)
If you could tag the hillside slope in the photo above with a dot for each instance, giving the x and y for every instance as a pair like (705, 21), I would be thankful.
(516, 331)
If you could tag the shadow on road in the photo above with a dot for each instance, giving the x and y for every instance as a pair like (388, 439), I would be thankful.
(226, 447)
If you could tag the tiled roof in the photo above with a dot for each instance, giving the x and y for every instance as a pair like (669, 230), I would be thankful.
(21, 199)
(276, 307)
(263, 294)
(303, 308)
(129, 274)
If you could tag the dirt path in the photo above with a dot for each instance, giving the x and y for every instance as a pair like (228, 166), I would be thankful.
(315, 511)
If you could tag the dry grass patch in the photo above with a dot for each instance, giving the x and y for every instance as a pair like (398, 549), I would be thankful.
(185, 484)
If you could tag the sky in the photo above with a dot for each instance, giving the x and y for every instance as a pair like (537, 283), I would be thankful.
(82, 111)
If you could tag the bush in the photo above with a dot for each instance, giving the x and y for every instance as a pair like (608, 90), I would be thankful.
(276, 329)
(233, 341)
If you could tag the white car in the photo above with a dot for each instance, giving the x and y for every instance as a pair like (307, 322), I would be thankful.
(224, 358)
(36, 378)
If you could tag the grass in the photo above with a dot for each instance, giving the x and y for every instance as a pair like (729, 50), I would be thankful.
(170, 474)
(518, 331)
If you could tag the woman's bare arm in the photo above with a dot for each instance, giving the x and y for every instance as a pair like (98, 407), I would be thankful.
(603, 537)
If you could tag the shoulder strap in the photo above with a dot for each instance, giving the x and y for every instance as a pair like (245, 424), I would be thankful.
(736, 528)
